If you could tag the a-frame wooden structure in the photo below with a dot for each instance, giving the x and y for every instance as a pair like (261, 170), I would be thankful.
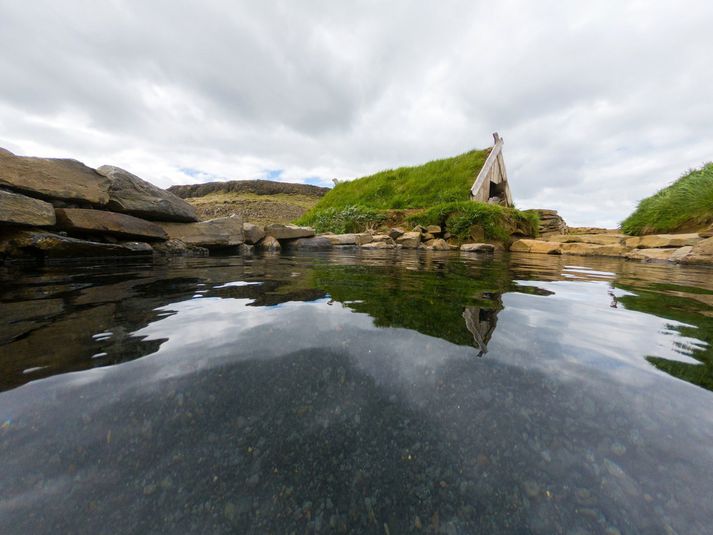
(491, 184)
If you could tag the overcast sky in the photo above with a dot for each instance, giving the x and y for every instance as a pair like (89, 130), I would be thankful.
(600, 103)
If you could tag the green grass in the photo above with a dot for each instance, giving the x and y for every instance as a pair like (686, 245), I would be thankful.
(686, 204)
(497, 222)
(422, 186)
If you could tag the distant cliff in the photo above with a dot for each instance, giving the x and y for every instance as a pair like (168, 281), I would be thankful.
(256, 187)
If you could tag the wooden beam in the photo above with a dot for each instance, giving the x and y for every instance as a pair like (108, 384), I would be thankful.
(487, 166)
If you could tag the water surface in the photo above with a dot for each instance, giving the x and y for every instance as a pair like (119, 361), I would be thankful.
(357, 392)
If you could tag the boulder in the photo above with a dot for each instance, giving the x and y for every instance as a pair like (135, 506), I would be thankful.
(379, 245)
(439, 245)
(18, 209)
(382, 238)
(701, 253)
(220, 232)
(396, 232)
(592, 249)
(350, 239)
(427, 236)
(654, 241)
(252, 234)
(269, 243)
(105, 222)
(536, 246)
(409, 240)
(477, 248)
(178, 248)
(433, 229)
(53, 178)
(419, 228)
(130, 194)
(53, 245)
(313, 243)
(651, 255)
(288, 232)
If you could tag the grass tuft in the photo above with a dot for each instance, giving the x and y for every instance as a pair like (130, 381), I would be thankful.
(684, 205)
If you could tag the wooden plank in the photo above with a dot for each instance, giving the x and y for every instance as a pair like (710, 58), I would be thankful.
(488, 166)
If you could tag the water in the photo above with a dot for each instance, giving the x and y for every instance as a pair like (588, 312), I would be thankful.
(362, 392)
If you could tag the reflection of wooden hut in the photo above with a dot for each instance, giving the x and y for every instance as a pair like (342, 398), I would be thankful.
(481, 323)
(491, 184)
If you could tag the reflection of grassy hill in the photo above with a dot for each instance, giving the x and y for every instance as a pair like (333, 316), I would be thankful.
(698, 324)
(687, 204)
(437, 188)
(429, 302)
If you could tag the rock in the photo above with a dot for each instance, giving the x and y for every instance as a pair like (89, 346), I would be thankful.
(252, 234)
(378, 245)
(595, 239)
(536, 246)
(418, 228)
(439, 245)
(427, 236)
(53, 178)
(288, 232)
(651, 255)
(681, 253)
(591, 249)
(51, 245)
(590, 230)
(433, 229)
(132, 195)
(708, 233)
(178, 248)
(316, 242)
(409, 240)
(550, 223)
(701, 253)
(477, 248)
(269, 243)
(654, 241)
(382, 238)
(220, 232)
(396, 232)
(476, 233)
(350, 239)
(18, 209)
(105, 222)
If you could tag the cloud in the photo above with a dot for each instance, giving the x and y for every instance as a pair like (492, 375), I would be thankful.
(600, 104)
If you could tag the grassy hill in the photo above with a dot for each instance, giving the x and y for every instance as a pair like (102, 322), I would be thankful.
(435, 193)
(685, 205)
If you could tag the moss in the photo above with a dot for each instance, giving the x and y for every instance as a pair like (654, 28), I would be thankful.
(685, 204)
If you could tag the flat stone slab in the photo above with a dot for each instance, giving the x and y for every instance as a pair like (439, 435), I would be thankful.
(19, 209)
(53, 178)
(105, 222)
(132, 195)
(592, 249)
(53, 245)
(477, 248)
(350, 239)
(536, 246)
(654, 241)
(651, 255)
(379, 245)
(316, 242)
(594, 239)
(288, 232)
(220, 232)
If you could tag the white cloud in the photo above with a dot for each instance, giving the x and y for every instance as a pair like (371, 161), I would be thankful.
(599, 103)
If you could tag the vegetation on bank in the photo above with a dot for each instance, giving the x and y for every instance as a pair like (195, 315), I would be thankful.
(436, 193)
(497, 222)
(686, 204)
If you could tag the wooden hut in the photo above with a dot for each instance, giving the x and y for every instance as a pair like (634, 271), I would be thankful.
(491, 184)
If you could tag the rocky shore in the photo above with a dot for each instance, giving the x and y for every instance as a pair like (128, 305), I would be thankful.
(690, 248)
